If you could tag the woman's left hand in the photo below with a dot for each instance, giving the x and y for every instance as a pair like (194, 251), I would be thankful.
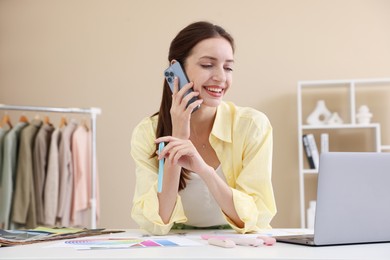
(183, 153)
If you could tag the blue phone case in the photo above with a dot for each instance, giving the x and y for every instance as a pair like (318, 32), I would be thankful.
(176, 70)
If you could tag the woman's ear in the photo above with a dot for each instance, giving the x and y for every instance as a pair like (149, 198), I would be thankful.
(173, 61)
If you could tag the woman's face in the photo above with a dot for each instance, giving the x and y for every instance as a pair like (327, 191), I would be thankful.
(210, 67)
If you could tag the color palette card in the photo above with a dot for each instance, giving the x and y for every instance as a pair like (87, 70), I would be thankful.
(126, 242)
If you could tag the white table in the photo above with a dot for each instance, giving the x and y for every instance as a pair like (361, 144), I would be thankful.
(278, 251)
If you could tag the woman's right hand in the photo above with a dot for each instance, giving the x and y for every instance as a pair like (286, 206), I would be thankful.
(182, 153)
(180, 114)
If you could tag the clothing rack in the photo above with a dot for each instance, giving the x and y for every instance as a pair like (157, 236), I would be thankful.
(93, 112)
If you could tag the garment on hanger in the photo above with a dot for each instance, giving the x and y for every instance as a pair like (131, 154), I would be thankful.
(3, 132)
(40, 153)
(24, 208)
(8, 172)
(81, 152)
(66, 174)
(51, 189)
(37, 178)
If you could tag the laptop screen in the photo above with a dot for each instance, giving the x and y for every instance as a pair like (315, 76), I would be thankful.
(353, 198)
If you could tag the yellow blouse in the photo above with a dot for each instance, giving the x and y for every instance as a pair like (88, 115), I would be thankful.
(242, 140)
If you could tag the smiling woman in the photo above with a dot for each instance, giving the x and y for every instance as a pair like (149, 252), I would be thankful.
(210, 68)
(218, 159)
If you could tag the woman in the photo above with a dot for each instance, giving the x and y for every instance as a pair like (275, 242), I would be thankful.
(218, 159)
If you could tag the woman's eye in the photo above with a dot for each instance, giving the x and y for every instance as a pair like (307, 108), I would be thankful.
(206, 65)
(229, 69)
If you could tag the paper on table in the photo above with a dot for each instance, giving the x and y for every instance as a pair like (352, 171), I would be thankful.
(42, 234)
(117, 242)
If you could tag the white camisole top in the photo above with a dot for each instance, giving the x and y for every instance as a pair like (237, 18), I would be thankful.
(200, 207)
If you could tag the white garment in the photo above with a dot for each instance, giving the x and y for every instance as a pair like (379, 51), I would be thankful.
(200, 207)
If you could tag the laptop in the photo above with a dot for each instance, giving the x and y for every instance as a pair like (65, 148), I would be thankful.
(353, 200)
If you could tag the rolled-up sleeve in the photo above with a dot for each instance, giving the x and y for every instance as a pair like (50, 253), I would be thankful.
(253, 195)
(145, 201)
(246, 157)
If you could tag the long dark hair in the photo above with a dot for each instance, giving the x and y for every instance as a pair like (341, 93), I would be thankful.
(179, 50)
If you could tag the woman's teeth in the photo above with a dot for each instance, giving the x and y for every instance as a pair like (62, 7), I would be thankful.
(216, 90)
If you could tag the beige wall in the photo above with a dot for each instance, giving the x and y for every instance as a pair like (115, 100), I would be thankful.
(111, 54)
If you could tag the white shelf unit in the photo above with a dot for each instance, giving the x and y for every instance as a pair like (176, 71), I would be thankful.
(349, 101)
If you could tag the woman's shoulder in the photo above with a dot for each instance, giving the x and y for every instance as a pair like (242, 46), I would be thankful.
(147, 126)
(245, 113)
(148, 121)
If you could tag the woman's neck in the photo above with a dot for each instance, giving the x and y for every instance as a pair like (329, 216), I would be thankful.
(203, 119)
(202, 122)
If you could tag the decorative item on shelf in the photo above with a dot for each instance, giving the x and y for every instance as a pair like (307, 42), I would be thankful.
(311, 150)
(324, 142)
(308, 152)
(335, 119)
(364, 116)
(320, 114)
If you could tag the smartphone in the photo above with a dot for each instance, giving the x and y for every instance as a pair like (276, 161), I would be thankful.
(176, 70)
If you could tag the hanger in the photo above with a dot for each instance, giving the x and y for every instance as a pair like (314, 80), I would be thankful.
(6, 121)
(84, 123)
(63, 122)
(37, 117)
(46, 120)
(23, 119)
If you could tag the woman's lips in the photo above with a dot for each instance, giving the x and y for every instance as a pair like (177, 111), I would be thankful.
(214, 91)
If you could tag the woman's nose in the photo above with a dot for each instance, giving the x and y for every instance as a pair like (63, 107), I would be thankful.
(219, 75)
